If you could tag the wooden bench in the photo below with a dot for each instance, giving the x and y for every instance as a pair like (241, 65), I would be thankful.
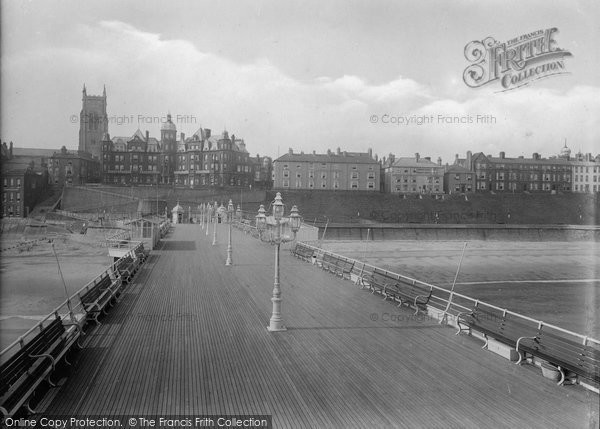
(564, 353)
(337, 265)
(303, 252)
(24, 371)
(126, 268)
(96, 299)
(376, 280)
(141, 254)
(497, 324)
(409, 293)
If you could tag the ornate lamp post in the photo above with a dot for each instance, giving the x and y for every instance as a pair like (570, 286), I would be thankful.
(261, 221)
(201, 207)
(276, 322)
(238, 213)
(208, 212)
(230, 213)
(215, 221)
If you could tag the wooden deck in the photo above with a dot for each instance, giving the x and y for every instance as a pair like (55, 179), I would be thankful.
(189, 337)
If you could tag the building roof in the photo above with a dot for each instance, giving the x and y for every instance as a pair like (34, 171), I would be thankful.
(413, 162)
(523, 160)
(355, 158)
(139, 135)
(121, 139)
(457, 169)
(35, 152)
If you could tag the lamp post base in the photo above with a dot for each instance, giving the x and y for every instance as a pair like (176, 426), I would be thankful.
(276, 327)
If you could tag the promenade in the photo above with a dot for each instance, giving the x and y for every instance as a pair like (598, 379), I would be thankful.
(189, 337)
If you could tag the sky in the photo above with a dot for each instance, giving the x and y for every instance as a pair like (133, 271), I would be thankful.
(307, 75)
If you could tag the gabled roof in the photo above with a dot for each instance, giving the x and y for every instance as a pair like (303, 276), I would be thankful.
(138, 135)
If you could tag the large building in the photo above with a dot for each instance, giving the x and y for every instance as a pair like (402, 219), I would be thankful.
(93, 123)
(502, 174)
(202, 160)
(586, 173)
(340, 171)
(458, 179)
(416, 175)
(24, 181)
(213, 160)
(73, 168)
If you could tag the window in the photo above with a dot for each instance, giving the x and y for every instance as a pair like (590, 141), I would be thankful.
(371, 176)
(286, 183)
(354, 185)
(370, 185)
(354, 175)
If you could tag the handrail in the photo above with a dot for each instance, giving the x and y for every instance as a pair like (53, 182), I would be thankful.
(63, 308)
(586, 339)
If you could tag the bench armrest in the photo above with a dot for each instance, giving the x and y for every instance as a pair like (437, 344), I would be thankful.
(458, 316)
(517, 348)
(47, 355)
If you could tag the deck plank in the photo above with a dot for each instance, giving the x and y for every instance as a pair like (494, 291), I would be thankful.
(189, 337)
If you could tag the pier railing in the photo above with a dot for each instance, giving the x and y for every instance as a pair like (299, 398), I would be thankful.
(70, 311)
(449, 304)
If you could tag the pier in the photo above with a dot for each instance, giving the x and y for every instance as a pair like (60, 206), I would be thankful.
(188, 337)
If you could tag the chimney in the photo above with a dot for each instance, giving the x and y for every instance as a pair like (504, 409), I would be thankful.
(469, 160)
(440, 161)
(338, 151)
(10, 149)
(291, 151)
(182, 136)
(328, 152)
(417, 156)
(427, 158)
(535, 156)
(392, 158)
(207, 132)
(147, 136)
(314, 152)
(456, 159)
(502, 155)
(370, 152)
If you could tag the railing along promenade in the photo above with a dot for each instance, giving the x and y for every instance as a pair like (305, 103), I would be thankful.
(448, 304)
(71, 311)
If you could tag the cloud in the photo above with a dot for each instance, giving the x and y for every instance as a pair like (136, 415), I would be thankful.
(147, 75)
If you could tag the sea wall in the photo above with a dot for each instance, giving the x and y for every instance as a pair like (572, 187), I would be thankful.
(462, 232)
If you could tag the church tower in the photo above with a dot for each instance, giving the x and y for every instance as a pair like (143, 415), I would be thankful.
(93, 123)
